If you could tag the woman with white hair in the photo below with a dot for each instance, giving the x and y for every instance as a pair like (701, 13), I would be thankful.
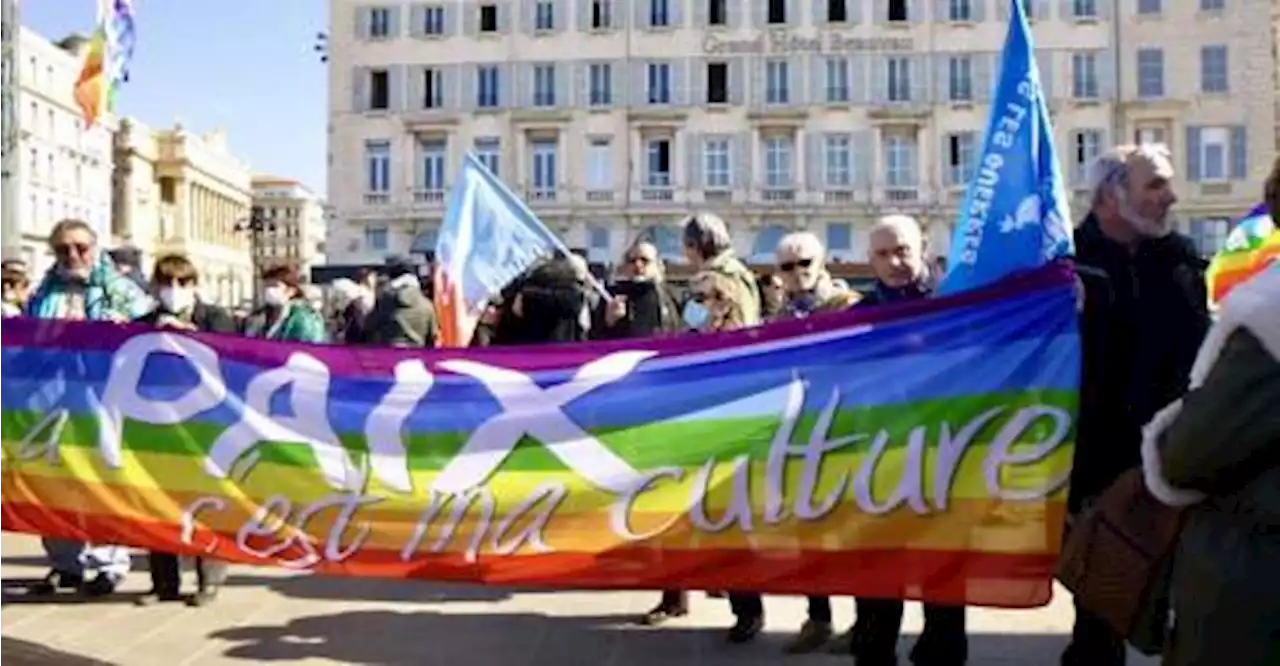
(801, 260)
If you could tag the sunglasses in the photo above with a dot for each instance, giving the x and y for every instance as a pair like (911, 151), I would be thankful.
(789, 266)
(66, 249)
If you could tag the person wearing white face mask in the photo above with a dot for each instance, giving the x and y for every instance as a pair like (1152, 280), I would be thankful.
(287, 314)
(175, 285)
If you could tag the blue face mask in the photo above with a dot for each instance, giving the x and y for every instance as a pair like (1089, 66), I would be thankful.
(696, 315)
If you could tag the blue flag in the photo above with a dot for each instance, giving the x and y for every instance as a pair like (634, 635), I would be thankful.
(488, 238)
(1015, 214)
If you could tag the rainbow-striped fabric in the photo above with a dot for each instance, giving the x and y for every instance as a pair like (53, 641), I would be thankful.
(1252, 245)
(106, 62)
(918, 450)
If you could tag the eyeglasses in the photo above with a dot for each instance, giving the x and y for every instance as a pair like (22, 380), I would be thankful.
(67, 249)
(789, 266)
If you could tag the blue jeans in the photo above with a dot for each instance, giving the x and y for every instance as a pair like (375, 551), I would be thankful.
(75, 558)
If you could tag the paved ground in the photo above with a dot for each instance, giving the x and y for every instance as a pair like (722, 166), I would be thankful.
(267, 616)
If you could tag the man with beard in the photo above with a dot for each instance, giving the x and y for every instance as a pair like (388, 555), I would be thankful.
(1145, 314)
(642, 273)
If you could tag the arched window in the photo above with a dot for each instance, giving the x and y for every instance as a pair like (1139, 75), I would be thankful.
(425, 242)
(762, 252)
(668, 241)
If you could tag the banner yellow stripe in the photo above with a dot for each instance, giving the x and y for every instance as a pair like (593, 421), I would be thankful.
(185, 475)
(978, 525)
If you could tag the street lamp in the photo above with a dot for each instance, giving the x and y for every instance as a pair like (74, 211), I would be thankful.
(322, 46)
(255, 226)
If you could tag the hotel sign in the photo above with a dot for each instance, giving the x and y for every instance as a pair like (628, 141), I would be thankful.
(786, 42)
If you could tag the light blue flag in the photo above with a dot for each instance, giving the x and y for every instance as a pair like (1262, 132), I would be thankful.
(488, 236)
(1015, 214)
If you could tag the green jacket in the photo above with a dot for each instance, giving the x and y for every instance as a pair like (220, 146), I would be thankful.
(1219, 455)
(748, 296)
(301, 324)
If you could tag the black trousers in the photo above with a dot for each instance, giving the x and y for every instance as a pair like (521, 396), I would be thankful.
(166, 573)
(879, 624)
(750, 604)
(1093, 643)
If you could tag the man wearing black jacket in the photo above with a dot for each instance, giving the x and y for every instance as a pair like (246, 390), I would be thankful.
(175, 286)
(1145, 314)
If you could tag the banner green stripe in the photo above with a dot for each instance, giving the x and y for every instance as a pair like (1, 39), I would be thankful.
(685, 444)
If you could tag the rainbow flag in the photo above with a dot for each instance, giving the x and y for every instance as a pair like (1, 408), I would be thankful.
(1252, 245)
(918, 450)
(106, 62)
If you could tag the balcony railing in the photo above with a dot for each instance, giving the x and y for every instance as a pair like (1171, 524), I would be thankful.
(778, 194)
(840, 196)
(599, 196)
(657, 194)
(541, 194)
(429, 196)
(377, 198)
(895, 194)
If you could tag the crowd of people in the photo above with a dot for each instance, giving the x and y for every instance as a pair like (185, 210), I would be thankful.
(1143, 316)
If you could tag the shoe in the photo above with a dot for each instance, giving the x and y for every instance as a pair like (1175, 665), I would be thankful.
(842, 644)
(100, 586)
(813, 635)
(661, 613)
(745, 629)
(153, 597)
(55, 581)
(203, 598)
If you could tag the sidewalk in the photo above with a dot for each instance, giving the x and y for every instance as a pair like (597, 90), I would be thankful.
(270, 616)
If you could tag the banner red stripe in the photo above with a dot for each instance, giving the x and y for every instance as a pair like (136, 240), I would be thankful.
(977, 578)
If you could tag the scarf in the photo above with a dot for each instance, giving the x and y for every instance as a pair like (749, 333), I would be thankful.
(815, 300)
(107, 295)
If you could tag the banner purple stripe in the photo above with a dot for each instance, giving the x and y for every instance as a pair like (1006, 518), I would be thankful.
(357, 361)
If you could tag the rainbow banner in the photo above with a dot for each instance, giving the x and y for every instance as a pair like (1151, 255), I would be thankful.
(1252, 245)
(918, 450)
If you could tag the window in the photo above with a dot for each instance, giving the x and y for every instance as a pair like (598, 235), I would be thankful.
(1149, 7)
(960, 158)
(960, 10)
(1150, 72)
(598, 243)
(840, 240)
(488, 151)
(659, 83)
(715, 163)
(544, 16)
(433, 154)
(899, 79)
(375, 238)
(659, 15)
(433, 20)
(1084, 9)
(544, 168)
(1086, 146)
(544, 85)
(1214, 76)
(960, 79)
(778, 12)
(432, 88)
(658, 162)
(764, 249)
(837, 10)
(776, 75)
(777, 162)
(487, 86)
(1210, 234)
(717, 12)
(600, 76)
(1084, 75)
(897, 10)
(1213, 5)
(900, 160)
(837, 157)
(1150, 136)
(717, 83)
(837, 84)
(488, 18)
(377, 158)
(1215, 153)
(380, 22)
(379, 90)
(599, 166)
(601, 14)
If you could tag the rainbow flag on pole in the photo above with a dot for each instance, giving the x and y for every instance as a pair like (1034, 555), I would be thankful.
(1252, 245)
(106, 63)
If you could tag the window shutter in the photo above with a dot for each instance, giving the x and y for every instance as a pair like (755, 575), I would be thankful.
(395, 87)
(468, 86)
(759, 14)
(393, 22)
(742, 157)
(1106, 75)
(915, 11)
(584, 15)
(359, 89)
(470, 19)
(858, 92)
(361, 23)
(737, 80)
(507, 74)
(756, 66)
(853, 8)
(733, 14)
(560, 9)
(697, 82)
(528, 9)
(450, 17)
(680, 82)
(1239, 153)
(814, 161)
(416, 88)
(693, 159)
(675, 13)
(561, 86)
(1106, 9)
(919, 79)
(796, 81)
(1195, 169)
(417, 21)
(1044, 60)
(641, 9)
(1066, 9)
(639, 83)
(419, 166)
(942, 78)
(817, 79)
(880, 79)
(942, 10)
(819, 12)
(863, 157)
(619, 78)
(978, 9)
(1002, 10)
(1042, 10)
(701, 15)
(505, 11)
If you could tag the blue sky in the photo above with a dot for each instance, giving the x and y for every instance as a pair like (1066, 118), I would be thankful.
(246, 66)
